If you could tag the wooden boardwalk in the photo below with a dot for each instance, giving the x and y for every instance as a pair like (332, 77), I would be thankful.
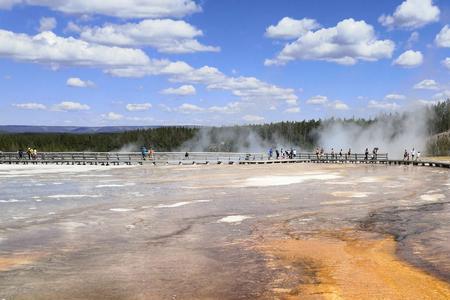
(179, 158)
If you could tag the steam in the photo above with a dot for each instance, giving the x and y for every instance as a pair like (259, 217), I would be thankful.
(234, 139)
(130, 147)
(392, 134)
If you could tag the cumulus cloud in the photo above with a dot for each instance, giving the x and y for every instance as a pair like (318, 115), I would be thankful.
(79, 83)
(187, 108)
(288, 28)
(395, 97)
(427, 84)
(48, 48)
(383, 105)
(443, 37)
(165, 35)
(230, 108)
(338, 105)
(409, 59)
(248, 89)
(138, 106)
(253, 118)
(347, 43)
(184, 90)
(325, 102)
(317, 100)
(118, 8)
(70, 106)
(112, 116)
(411, 14)
(47, 24)
(292, 110)
(413, 38)
(446, 62)
(30, 106)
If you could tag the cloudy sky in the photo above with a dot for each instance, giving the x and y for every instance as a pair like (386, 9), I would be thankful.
(212, 62)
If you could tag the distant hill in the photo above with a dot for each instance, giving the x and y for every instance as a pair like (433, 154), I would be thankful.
(69, 129)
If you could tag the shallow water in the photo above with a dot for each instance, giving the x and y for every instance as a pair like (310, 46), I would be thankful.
(167, 232)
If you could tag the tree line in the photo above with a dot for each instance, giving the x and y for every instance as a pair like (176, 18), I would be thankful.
(303, 134)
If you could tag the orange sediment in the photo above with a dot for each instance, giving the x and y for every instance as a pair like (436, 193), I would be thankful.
(327, 267)
(17, 260)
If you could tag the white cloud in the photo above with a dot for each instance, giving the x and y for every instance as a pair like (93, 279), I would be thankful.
(338, 105)
(112, 116)
(77, 82)
(427, 84)
(253, 118)
(167, 36)
(118, 8)
(49, 48)
(70, 106)
(139, 106)
(187, 108)
(248, 89)
(317, 100)
(230, 108)
(383, 105)
(47, 24)
(140, 119)
(413, 38)
(184, 90)
(72, 27)
(411, 14)
(443, 37)
(446, 62)
(165, 108)
(395, 97)
(288, 28)
(30, 106)
(442, 95)
(292, 110)
(426, 102)
(325, 102)
(347, 43)
(409, 59)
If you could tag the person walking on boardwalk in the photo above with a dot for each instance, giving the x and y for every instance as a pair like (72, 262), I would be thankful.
(349, 153)
(366, 154)
(29, 152)
(144, 152)
(332, 153)
(270, 153)
(151, 153)
(413, 153)
(340, 154)
(317, 153)
(277, 153)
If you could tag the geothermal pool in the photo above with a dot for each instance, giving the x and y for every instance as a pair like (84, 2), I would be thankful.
(224, 232)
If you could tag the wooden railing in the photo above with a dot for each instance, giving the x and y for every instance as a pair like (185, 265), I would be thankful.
(136, 157)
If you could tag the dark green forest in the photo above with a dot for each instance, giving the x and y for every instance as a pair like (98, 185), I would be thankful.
(303, 134)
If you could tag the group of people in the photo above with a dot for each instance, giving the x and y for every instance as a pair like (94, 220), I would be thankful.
(320, 152)
(282, 153)
(147, 153)
(31, 153)
(411, 155)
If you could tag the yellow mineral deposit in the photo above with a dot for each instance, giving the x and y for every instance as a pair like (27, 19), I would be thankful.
(350, 266)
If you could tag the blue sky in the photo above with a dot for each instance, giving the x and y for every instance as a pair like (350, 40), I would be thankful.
(210, 62)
